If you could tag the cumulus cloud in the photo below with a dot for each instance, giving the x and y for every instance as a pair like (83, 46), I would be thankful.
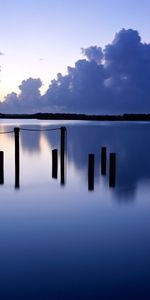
(80, 89)
(115, 79)
(93, 53)
(28, 100)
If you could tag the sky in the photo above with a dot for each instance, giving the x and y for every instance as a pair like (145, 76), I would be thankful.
(40, 38)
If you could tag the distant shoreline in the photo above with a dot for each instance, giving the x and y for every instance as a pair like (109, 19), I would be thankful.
(78, 117)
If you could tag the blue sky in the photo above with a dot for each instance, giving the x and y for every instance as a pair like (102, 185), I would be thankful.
(40, 38)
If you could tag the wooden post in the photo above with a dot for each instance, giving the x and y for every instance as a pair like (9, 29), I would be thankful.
(62, 154)
(112, 170)
(91, 172)
(54, 163)
(1, 167)
(17, 157)
(103, 160)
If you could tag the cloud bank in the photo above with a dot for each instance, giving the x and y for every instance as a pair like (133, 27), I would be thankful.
(115, 79)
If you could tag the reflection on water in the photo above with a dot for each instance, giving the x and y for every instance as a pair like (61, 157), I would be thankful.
(129, 141)
(65, 234)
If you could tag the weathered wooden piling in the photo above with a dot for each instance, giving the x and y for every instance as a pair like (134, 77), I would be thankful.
(103, 160)
(17, 157)
(1, 167)
(62, 154)
(112, 170)
(54, 163)
(91, 172)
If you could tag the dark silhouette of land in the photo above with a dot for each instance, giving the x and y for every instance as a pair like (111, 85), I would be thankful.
(82, 117)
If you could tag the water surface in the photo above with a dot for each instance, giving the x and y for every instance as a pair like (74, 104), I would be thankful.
(64, 241)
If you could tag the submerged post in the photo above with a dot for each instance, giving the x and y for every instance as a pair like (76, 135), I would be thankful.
(91, 172)
(54, 163)
(112, 170)
(17, 157)
(62, 154)
(1, 167)
(103, 160)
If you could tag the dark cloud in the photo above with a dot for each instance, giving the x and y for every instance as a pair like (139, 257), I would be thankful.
(115, 79)
(29, 99)
(80, 89)
(93, 53)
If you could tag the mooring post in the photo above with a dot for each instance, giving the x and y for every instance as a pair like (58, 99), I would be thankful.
(54, 163)
(17, 157)
(62, 154)
(91, 172)
(1, 167)
(112, 170)
(103, 160)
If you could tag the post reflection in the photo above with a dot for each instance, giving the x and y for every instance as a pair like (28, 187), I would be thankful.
(129, 141)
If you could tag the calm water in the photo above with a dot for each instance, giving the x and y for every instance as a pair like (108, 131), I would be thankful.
(65, 242)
